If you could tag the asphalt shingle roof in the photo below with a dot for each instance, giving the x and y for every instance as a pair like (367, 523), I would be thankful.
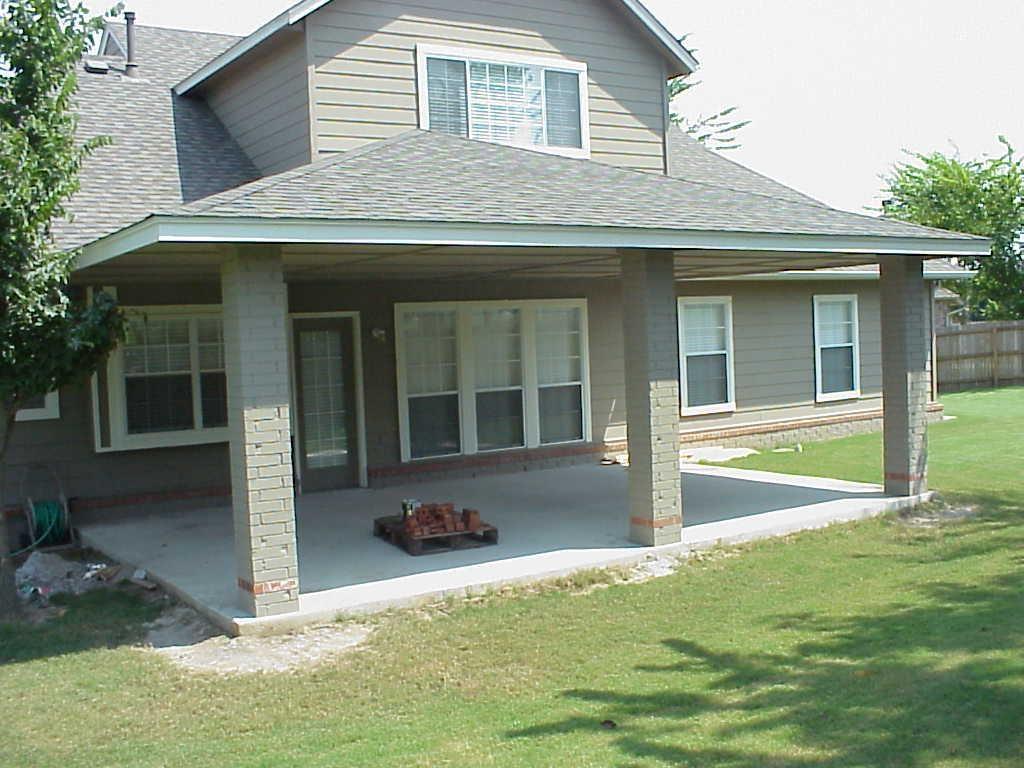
(691, 160)
(171, 155)
(165, 150)
(427, 176)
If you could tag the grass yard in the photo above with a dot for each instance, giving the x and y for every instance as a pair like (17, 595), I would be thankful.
(871, 644)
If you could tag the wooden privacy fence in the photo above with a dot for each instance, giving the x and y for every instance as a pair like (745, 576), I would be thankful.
(980, 355)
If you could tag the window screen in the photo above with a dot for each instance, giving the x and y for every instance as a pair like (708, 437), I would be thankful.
(835, 335)
(432, 382)
(706, 349)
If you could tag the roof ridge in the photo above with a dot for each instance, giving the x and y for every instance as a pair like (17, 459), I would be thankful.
(255, 186)
(111, 23)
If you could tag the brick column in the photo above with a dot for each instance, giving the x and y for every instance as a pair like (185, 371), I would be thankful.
(256, 357)
(906, 373)
(652, 397)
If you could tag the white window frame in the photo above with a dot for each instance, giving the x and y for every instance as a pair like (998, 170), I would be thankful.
(730, 368)
(490, 56)
(50, 409)
(120, 439)
(467, 372)
(853, 394)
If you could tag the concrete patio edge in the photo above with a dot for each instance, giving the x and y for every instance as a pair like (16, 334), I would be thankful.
(409, 591)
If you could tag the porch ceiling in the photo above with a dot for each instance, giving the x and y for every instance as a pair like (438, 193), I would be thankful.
(433, 262)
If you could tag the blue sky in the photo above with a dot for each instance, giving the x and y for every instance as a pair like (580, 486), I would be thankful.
(835, 90)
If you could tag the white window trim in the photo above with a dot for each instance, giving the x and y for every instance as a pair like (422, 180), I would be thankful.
(853, 394)
(466, 372)
(120, 439)
(730, 405)
(491, 56)
(50, 410)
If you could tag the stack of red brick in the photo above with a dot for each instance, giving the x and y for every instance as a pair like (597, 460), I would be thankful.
(430, 519)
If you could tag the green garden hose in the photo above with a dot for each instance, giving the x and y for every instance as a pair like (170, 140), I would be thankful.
(48, 524)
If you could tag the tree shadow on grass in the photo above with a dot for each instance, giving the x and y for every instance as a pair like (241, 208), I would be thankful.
(911, 685)
(104, 618)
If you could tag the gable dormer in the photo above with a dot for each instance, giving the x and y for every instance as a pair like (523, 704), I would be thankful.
(581, 78)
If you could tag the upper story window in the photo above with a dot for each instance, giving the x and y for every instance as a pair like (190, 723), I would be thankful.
(503, 98)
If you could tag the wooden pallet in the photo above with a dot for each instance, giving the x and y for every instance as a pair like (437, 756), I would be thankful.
(392, 528)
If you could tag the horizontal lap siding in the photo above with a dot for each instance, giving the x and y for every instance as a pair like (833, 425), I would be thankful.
(364, 78)
(263, 101)
(773, 359)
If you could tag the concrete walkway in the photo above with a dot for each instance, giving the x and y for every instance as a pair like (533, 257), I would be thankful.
(551, 522)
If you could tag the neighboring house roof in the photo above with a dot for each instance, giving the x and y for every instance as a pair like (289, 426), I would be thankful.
(165, 150)
(673, 49)
(944, 294)
(426, 176)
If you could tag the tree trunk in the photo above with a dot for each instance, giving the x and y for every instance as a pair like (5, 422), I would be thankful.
(9, 606)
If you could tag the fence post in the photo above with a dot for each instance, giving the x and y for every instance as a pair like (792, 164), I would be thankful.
(994, 340)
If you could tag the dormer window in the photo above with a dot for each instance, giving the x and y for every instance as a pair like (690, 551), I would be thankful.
(528, 102)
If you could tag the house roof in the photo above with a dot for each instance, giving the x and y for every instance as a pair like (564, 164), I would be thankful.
(692, 160)
(164, 150)
(399, 180)
(672, 48)
(171, 157)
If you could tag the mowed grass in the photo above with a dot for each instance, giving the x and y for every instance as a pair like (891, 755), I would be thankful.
(872, 644)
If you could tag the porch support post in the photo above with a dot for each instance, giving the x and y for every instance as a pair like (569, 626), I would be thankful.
(651, 344)
(906, 373)
(256, 358)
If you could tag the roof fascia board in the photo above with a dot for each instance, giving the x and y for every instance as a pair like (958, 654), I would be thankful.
(209, 229)
(236, 51)
(300, 11)
(677, 49)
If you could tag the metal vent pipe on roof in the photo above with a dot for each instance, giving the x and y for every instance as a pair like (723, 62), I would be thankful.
(131, 67)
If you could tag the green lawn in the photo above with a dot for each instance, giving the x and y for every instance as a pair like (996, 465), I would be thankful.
(872, 644)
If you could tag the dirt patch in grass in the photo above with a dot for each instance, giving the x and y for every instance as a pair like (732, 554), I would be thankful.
(184, 638)
(936, 513)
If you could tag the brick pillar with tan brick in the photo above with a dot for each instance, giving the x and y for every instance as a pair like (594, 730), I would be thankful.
(906, 373)
(255, 302)
(650, 332)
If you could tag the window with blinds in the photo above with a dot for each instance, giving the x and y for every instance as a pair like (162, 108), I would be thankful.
(836, 342)
(491, 375)
(167, 380)
(705, 360)
(521, 103)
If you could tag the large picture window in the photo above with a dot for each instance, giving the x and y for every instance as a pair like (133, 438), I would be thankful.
(167, 383)
(705, 355)
(488, 376)
(836, 348)
(522, 101)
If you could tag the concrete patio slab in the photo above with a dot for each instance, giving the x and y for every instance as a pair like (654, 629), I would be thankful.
(552, 523)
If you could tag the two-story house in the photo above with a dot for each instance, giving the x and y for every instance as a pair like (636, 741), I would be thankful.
(385, 242)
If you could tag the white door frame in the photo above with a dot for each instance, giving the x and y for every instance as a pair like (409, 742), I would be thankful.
(357, 346)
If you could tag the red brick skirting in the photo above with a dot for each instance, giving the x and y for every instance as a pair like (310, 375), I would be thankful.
(266, 587)
(688, 436)
(486, 460)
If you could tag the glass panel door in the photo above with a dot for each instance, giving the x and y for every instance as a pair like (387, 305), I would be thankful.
(325, 394)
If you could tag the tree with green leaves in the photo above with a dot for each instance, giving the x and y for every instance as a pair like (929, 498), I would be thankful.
(979, 197)
(717, 130)
(47, 338)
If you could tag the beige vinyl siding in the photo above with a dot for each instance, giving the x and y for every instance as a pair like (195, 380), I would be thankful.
(263, 101)
(364, 66)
